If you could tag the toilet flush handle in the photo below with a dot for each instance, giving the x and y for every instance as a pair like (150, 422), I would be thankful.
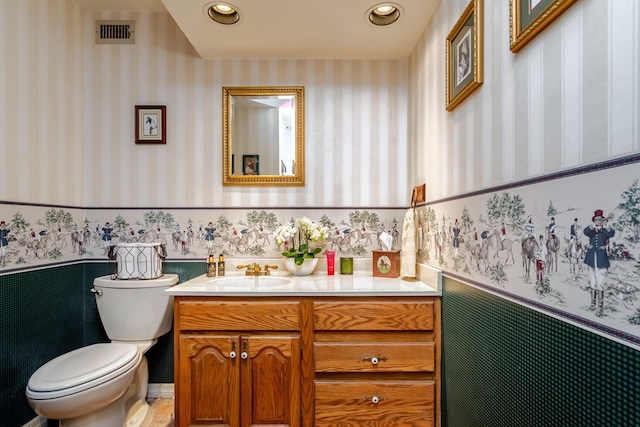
(96, 291)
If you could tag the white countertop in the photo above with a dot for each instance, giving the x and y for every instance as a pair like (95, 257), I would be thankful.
(282, 284)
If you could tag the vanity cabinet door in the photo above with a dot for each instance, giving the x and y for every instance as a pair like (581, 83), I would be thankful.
(238, 362)
(209, 380)
(270, 381)
(239, 380)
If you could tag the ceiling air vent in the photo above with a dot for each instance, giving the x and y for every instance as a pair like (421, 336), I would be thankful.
(115, 32)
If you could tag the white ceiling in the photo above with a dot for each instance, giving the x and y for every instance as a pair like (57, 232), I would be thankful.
(304, 29)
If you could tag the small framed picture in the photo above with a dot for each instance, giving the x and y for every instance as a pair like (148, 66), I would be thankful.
(464, 55)
(151, 125)
(530, 17)
(251, 164)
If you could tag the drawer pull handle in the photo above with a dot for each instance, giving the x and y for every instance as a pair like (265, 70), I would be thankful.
(374, 360)
(373, 399)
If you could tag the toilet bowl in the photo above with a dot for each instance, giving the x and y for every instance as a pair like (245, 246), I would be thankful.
(105, 385)
(84, 380)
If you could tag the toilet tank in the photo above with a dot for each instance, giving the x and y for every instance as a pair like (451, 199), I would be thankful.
(135, 310)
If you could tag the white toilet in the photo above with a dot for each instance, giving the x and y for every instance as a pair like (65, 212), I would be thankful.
(105, 385)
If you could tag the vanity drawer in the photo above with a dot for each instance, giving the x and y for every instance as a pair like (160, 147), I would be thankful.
(374, 316)
(375, 357)
(368, 403)
(237, 316)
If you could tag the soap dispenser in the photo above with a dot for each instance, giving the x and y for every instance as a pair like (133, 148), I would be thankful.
(221, 265)
(211, 266)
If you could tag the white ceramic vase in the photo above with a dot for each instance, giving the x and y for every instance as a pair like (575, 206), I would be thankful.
(305, 269)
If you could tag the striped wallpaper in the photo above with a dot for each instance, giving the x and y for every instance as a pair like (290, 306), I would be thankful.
(374, 128)
(570, 97)
(67, 118)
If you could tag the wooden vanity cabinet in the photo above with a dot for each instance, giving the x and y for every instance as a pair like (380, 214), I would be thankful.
(348, 361)
(237, 364)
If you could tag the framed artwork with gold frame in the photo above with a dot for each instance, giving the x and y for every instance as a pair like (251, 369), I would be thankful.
(464, 55)
(527, 18)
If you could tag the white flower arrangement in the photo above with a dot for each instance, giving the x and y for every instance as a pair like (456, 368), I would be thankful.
(304, 232)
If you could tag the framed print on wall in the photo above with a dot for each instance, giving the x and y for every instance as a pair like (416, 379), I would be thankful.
(464, 55)
(151, 125)
(251, 164)
(529, 17)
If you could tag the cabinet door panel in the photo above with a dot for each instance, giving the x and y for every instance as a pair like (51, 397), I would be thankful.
(375, 403)
(390, 357)
(209, 381)
(270, 378)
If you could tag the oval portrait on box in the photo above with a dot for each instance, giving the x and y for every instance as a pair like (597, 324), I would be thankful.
(384, 264)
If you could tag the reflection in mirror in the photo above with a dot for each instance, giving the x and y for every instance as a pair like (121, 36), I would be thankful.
(263, 135)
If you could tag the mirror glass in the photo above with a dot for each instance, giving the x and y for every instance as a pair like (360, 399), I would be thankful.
(263, 135)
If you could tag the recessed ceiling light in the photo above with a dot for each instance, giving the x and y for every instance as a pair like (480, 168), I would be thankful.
(384, 10)
(223, 13)
(383, 14)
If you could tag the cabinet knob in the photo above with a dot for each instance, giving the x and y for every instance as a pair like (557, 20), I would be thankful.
(373, 398)
(373, 359)
(244, 355)
(232, 355)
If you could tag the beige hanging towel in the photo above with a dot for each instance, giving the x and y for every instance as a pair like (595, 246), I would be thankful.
(408, 259)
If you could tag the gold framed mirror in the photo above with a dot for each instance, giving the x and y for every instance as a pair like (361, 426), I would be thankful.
(263, 135)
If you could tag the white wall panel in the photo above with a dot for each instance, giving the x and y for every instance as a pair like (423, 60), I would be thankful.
(569, 97)
(70, 131)
(623, 51)
(5, 72)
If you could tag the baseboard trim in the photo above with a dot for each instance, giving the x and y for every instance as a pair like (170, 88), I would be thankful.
(157, 390)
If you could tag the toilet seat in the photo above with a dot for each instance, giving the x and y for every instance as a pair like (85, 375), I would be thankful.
(82, 369)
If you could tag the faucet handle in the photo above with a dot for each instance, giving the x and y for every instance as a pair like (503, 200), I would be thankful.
(250, 267)
(267, 267)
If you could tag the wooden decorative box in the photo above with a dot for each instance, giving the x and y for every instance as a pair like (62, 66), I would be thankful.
(386, 263)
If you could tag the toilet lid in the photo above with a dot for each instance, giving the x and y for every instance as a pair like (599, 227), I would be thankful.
(84, 365)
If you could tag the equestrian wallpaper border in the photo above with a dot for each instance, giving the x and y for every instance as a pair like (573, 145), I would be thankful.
(566, 243)
(41, 236)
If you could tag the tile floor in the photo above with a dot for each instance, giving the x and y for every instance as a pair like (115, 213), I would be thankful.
(162, 413)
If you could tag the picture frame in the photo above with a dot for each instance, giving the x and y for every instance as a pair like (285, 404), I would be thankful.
(464, 55)
(527, 18)
(250, 164)
(418, 194)
(151, 124)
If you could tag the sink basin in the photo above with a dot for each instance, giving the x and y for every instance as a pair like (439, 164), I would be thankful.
(249, 281)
